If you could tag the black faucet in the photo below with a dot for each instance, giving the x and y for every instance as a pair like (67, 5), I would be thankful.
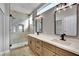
(62, 37)
(37, 33)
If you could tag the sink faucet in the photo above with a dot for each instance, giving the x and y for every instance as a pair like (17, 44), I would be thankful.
(37, 33)
(62, 37)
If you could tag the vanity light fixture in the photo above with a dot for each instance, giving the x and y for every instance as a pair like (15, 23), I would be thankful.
(57, 8)
(70, 6)
(63, 6)
(39, 17)
(64, 9)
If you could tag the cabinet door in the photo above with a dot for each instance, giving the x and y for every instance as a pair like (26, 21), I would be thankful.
(47, 52)
(32, 43)
(62, 52)
(49, 46)
(39, 47)
(29, 41)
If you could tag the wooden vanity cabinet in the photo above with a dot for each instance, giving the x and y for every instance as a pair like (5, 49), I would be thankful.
(42, 48)
(47, 52)
(29, 41)
(56, 51)
(39, 47)
(35, 45)
(48, 49)
(32, 43)
(62, 52)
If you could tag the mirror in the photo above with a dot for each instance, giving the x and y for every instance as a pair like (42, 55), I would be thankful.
(66, 21)
(39, 24)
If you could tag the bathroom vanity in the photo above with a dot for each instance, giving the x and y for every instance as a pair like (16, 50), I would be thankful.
(65, 22)
(47, 45)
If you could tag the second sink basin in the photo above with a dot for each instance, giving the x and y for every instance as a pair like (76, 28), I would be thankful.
(61, 42)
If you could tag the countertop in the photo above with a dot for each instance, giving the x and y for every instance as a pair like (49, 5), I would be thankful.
(70, 44)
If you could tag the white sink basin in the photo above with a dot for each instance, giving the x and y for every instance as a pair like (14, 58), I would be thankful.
(61, 42)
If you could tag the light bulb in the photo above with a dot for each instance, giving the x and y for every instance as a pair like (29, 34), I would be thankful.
(57, 8)
(64, 9)
(70, 6)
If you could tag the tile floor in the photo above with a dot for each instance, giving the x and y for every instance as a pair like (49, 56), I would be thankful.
(22, 51)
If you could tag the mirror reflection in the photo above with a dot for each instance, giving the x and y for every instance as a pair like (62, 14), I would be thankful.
(39, 23)
(66, 21)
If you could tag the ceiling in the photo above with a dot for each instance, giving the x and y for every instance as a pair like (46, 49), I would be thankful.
(25, 8)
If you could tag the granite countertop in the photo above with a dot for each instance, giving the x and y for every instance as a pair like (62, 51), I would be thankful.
(70, 44)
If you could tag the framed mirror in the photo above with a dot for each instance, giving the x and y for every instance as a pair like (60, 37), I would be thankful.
(39, 24)
(66, 21)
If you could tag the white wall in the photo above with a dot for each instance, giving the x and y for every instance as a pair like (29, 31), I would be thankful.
(5, 28)
(48, 22)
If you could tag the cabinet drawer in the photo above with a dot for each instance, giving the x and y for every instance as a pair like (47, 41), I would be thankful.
(47, 52)
(62, 52)
(49, 46)
(38, 42)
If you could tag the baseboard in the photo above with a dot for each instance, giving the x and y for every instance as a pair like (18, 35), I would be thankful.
(4, 52)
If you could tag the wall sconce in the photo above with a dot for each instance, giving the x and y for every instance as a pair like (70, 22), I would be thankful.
(70, 6)
(64, 9)
(39, 17)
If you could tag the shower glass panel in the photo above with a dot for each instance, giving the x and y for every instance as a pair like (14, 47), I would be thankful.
(16, 34)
